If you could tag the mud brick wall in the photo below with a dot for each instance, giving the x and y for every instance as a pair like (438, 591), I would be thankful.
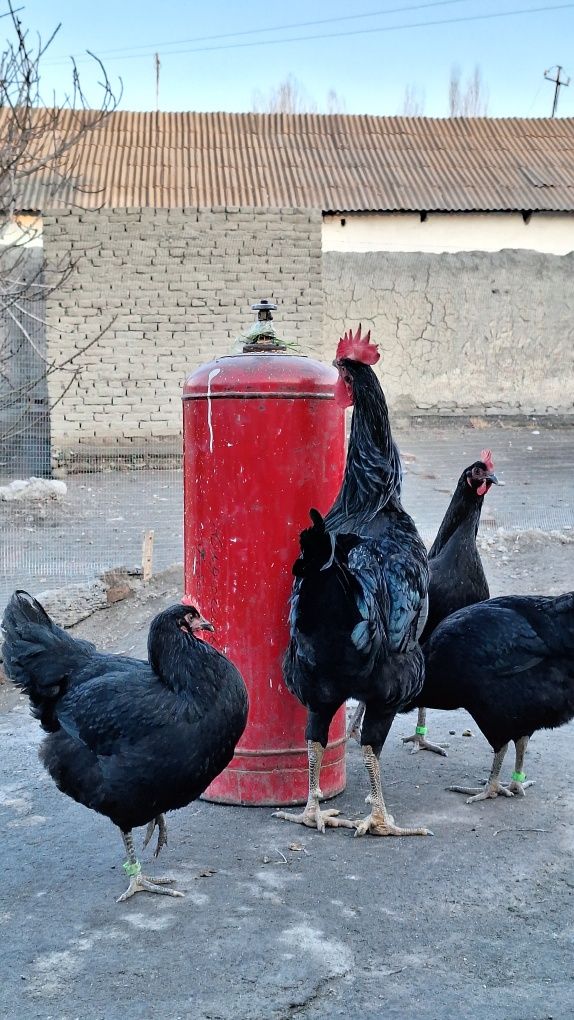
(478, 333)
(178, 285)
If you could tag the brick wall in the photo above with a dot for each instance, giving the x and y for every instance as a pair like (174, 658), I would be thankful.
(479, 333)
(179, 284)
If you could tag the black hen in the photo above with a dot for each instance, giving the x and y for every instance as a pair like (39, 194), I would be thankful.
(457, 577)
(127, 738)
(519, 677)
(357, 600)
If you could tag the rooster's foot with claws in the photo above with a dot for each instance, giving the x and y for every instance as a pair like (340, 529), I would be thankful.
(379, 824)
(314, 818)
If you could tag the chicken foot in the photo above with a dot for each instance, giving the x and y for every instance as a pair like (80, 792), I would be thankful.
(139, 882)
(418, 739)
(515, 788)
(159, 823)
(380, 822)
(312, 816)
(493, 787)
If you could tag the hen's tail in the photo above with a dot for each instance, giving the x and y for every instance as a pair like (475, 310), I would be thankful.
(320, 547)
(38, 655)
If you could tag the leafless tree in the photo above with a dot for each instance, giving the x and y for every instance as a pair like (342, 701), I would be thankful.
(413, 104)
(470, 99)
(38, 153)
(291, 97)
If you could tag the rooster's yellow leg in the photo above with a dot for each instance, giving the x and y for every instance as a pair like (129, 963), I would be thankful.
(493, 785)
(380, 822)
(139, 882)
(418, 739)
(312, 816)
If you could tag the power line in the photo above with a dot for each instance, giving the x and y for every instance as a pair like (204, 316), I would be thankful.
(361, 31)
(274, 28)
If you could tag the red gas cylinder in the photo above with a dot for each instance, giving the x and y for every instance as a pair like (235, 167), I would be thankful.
(263, 442)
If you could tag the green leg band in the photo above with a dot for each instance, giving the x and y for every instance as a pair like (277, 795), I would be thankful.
(420, 731)
(518, 777)
(132, 869)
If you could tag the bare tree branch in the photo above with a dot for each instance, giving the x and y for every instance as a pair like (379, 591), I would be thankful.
(291, 97)
(39, 153)
(413, 102)
(470, 100)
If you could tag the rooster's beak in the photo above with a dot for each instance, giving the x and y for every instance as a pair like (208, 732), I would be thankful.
(491, 477)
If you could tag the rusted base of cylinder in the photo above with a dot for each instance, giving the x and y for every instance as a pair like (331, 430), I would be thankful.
(277, 778)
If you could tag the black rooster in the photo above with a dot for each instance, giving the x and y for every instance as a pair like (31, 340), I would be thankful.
(360, 587)
(127, 738)
(457, 577)
(518, 676)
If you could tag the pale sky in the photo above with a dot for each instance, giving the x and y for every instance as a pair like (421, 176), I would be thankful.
(215, 55)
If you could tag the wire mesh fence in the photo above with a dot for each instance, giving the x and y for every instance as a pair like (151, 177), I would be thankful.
(100, 521)
(105, 505)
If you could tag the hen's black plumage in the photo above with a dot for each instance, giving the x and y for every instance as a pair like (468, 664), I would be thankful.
(360, 588)
(509, 662)
(127, 738)
(457, 577)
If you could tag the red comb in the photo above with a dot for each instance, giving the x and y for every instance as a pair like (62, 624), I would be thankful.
(486, 458)
(358, 348)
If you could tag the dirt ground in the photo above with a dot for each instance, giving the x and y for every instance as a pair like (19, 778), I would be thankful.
(476, 921)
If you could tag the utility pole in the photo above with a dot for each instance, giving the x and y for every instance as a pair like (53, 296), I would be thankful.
(157, 70)
(558, 81)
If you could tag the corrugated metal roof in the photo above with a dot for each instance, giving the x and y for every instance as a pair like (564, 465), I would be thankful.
(331, 162)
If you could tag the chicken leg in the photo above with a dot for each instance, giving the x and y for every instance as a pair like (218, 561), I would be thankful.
(518, 783)
(354, 729)
(158, 822)
(418, 739)
(493, 785)
(380, 822)
(312, 816)
(139, 882)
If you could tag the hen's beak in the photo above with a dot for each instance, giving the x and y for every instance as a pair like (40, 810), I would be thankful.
(199, 623)
(491, 477)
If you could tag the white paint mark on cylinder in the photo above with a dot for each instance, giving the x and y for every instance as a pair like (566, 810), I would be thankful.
(212, 374)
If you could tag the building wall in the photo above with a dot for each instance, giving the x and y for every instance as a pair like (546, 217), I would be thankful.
(551, 233)
(175, 287)
(466, 332)
(478, 332)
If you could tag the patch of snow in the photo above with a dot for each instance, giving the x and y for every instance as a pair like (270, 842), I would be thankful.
(33, 488)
